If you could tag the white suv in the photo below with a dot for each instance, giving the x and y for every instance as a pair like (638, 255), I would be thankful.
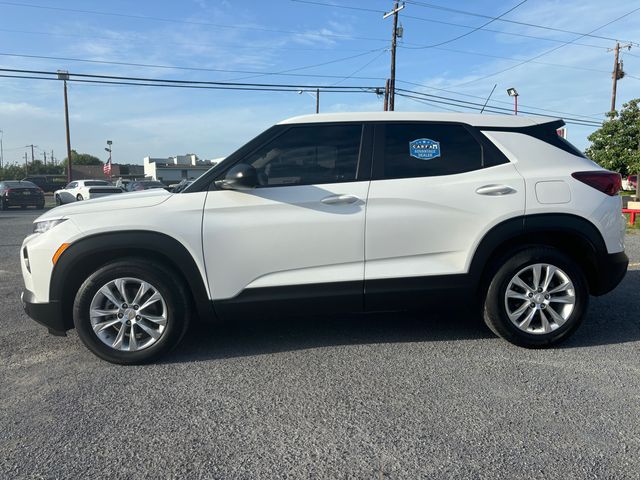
(350, 212)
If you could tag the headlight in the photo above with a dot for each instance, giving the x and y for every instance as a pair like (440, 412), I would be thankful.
(41, 227)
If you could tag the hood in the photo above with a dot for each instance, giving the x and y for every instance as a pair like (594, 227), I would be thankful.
(119, 201)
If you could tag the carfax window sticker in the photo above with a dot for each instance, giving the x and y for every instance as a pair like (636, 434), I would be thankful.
(424, 149)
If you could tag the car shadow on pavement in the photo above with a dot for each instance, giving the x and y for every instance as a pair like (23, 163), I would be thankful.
(244, 336)
(612, 319)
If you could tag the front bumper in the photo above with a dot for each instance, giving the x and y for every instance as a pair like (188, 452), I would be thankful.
(47, 314)
(611, 269)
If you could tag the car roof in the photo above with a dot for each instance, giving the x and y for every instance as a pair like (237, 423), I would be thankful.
(473, 119)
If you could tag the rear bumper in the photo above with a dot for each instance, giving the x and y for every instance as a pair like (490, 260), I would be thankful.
(47, 314)
(611, 270)
(24, 200)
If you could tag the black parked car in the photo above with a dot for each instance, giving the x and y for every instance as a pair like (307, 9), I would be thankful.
(18, 193)
(48, 183)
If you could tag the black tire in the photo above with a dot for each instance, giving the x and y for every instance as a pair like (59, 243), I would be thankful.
(165, 281)
(495, 310)
(79, 197)
(58, 200)
(3, 205)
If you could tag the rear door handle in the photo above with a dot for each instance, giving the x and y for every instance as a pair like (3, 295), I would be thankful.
(339, 199)
(495, 190)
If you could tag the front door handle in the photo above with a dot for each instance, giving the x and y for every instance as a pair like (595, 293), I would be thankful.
(495, 190)
(339, 199)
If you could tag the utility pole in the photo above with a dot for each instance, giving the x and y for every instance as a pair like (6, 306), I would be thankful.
(26, 164)
(317, 100)
(64, 75)
(618, 72)
(53, 160)
(45, 158)
(32, 157)
(395, 34)
(386, 95)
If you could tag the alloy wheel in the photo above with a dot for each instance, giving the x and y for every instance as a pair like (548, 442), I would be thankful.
(128, 314)
(540, 298)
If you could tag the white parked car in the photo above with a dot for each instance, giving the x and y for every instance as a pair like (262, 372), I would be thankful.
(84, 190)
(341, 212)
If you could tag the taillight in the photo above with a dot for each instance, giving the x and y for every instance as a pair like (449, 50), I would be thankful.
(607, 182)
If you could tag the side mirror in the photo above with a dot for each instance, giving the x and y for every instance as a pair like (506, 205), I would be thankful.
(240, 177)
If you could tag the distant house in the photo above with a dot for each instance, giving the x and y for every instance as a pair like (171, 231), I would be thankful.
(173, 169)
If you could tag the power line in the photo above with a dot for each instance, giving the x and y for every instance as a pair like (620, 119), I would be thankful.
(172, 83)
(177, 67)
(189, 22)
(547, 51)
(465, 102)
(283, 72)
(488, 55)
(361, 68)
(259, 46)
(478, 106)
(544, 27)
(493, 19)
(494, 100)
(54, 76)
(206, 87)
(442, 22)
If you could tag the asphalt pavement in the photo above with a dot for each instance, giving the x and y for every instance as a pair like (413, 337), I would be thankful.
(380, 396)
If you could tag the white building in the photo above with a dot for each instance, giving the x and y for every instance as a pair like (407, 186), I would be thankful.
(171, 170)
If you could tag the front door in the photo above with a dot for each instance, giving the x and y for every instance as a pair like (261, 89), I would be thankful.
(297, 240)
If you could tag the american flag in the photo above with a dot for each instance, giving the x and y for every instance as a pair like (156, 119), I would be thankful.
(107, 168)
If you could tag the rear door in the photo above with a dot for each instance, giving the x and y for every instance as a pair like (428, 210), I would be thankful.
(298, 239)
(436, 189)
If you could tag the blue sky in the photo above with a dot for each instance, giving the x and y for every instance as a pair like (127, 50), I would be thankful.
(278, 35)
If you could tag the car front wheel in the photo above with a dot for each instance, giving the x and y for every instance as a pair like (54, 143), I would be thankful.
(536, 298)
(131, 311)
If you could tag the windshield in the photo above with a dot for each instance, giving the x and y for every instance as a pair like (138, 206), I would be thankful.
(19, 184)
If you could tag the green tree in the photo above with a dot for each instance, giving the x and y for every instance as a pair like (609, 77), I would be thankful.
(12, 171)
(37, 167)
(616, 145)
(82, 159)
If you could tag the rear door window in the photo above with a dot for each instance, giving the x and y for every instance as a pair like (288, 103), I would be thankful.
(427, 150)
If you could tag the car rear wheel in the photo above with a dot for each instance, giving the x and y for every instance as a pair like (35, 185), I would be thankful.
(538, 297)
(131, 311)
(79, 197)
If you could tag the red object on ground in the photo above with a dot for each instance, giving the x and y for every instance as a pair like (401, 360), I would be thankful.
(632, 214)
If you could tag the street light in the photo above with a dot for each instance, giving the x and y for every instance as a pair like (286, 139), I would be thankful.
(316, 96)
(512, 92)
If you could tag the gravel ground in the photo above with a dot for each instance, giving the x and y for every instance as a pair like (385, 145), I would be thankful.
(382, 396)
